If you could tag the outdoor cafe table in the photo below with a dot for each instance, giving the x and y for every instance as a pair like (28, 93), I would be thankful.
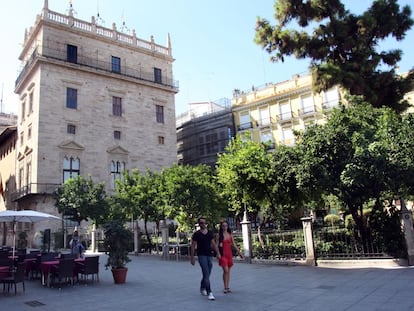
(46, 268)
(29, 264)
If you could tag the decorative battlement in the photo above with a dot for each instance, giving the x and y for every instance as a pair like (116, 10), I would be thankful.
(92, 27)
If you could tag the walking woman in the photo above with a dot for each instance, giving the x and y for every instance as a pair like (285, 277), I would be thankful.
(225, 243)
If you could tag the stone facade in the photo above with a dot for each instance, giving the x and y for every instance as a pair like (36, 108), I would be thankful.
(93, 95)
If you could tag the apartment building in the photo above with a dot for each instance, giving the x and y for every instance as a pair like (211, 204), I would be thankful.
(204, 132)
(272, 112)
(94, 101)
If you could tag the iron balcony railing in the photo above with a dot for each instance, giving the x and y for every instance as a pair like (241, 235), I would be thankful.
(131, 72)
(34, 188)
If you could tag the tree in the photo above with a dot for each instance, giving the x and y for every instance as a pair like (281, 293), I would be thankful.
(343, 47)
(191, 192)
(138, 195)
(82, 199)
(242, 172)
(354, 157)
(262, 181)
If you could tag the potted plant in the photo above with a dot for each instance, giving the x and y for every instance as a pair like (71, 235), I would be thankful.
(117, 243)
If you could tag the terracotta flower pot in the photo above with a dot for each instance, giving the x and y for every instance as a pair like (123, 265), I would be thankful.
(119, 275)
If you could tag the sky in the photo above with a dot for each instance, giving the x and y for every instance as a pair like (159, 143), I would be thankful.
(212, 41)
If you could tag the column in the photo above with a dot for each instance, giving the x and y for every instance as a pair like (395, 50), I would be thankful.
(93, 238)
(164, 236)
(407, 227)
(137, 240)
(307, 235)
(247, 238)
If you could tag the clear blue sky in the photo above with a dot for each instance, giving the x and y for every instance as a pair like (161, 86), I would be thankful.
(212, 41)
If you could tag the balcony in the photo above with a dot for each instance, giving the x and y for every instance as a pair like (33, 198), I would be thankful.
(307, 112)
(245, 126)
(34, 189)
(284, 117)
(93, 63)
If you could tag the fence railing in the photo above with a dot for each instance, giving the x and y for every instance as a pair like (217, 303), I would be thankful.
(338, 243)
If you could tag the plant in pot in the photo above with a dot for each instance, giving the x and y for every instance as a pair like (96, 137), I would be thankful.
(117, 243)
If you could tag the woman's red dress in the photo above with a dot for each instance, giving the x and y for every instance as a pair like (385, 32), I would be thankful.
(226, 259)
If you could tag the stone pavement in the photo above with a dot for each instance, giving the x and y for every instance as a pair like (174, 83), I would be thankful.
(157, 284)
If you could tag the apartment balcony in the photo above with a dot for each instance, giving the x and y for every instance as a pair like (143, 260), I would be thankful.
(265, 122)
(34, 189)
(308, 112)
(329, 105)
(285, 117)
(93, 63)
(245, 126)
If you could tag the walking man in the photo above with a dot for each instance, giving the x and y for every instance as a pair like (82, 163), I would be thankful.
(203, 241)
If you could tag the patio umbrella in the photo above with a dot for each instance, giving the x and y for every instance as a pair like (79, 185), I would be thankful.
(24, 216)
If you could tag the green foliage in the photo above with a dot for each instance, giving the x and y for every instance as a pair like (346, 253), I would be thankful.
(280, 245)
(81, 199)
(118, 243)
(191, 193)
(342, 46)
(261, 181)
(332, 219)
(357, 157)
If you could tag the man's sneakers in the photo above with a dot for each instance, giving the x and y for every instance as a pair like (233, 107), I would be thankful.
(203, 292)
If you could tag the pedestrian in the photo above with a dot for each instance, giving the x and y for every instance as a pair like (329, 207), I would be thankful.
(225, 244)
(76, 246)
(203, 241)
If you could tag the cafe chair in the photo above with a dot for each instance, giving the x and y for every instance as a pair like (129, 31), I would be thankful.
(63, 272)
(17, 276)
(89, 267)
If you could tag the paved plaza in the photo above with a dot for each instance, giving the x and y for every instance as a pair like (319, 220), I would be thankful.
(157, 284)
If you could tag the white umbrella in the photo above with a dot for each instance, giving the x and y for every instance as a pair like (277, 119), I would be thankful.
(24, 216)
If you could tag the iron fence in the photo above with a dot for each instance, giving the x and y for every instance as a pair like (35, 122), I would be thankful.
(332, 242)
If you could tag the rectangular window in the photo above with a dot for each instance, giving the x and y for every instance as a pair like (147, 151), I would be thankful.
(21, 138)
(117, 168)
(266, 136)
(161, 140)
(30, 103)
(71, 129)
(72, 53)
(264, 116)
(116, 64)
(28, 174)
(117, 106)
(23, 110)
(29, 132)
(71, 98)
(288, 137)
(159, 110)
(21, 178)
(331, 98)
(70, 168)
(117, 134)
(157, 75)
(244, 120)
(307, 104)
(285, 111)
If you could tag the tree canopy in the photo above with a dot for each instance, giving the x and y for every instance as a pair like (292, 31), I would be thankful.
(343, 48)
(81, 199)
